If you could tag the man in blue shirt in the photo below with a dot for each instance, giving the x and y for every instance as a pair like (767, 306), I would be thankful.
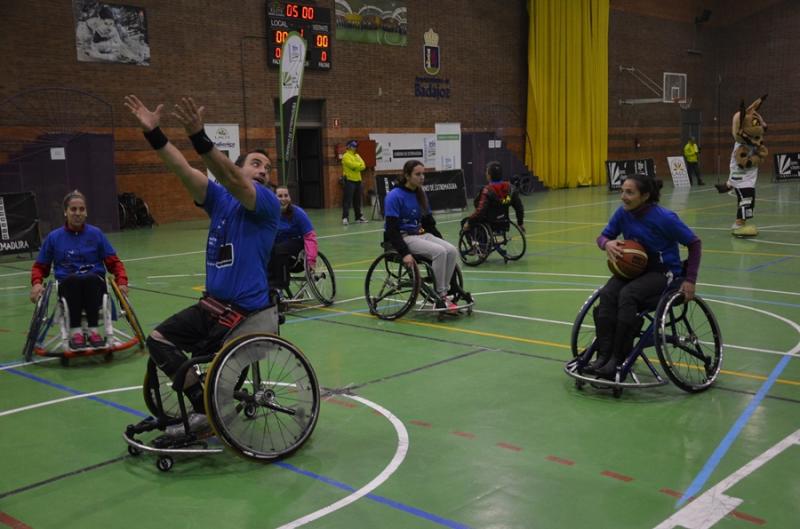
(244, 216)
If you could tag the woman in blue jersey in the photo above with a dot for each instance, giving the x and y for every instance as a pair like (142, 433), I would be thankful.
(411, 229)
(659, 230)
(295, 233)
(81, 254)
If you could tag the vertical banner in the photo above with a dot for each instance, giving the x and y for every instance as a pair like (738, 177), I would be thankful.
(677, 168)
(19, 223)
(226, 138)
(293, 59)
(448, 146)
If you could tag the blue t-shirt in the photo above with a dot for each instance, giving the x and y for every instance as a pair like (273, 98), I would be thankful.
(75, 252)
(658, 229)
(294, 227)
(401, 202)
(239, 245)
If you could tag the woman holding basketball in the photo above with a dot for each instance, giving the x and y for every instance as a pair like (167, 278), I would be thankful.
(659, 231)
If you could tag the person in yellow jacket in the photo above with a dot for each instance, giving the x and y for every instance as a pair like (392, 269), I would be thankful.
(352, 165)
(690, 152)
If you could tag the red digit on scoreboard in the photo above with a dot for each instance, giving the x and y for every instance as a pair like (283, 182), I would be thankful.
(308, 13)
(291, 10)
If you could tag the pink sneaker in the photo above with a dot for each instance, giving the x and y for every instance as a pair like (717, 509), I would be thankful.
(452, 308)
(96, 341)
(77, 341)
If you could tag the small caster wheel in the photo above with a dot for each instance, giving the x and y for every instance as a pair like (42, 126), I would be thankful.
(164, 463)
(64, 361)
(579, 384)
(469, 310)
(250, 410)
(135, 452)
(617, 392)
(108, 357)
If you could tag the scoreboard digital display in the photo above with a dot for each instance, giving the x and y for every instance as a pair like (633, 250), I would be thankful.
(311, 22)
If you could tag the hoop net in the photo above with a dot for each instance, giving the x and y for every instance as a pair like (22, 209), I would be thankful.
(685, 104)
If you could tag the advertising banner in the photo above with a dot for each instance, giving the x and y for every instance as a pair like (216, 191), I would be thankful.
(448, 146)
(618, 170)
(19, 224)
(445, 189)
(293, 59)
(226, 138)
(787, 165)
(394, 150)
(677, 168)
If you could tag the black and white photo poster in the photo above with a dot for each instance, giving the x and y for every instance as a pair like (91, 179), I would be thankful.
(110, 33)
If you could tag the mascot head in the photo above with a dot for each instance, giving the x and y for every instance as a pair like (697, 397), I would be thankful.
(748, 129)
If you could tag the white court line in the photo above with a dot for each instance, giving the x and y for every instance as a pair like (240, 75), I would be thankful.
(23, 364)
(14, 288)
(15, 274)
(762, 241)
(394, 464)
(65, 399)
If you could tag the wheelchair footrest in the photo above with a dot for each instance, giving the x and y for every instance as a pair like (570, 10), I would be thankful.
(571, 369)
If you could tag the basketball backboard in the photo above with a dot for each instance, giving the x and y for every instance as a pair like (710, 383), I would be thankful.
(674, 87)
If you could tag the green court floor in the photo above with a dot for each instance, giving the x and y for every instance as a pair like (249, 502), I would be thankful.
(469, 422)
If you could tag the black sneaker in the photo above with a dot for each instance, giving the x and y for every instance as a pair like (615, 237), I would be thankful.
(198, 425)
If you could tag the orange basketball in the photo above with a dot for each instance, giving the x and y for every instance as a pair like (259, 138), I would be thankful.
(632, 263)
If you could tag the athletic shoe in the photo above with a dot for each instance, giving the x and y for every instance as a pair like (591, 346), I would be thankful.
(96, 341)
(344, 222)
(198, 424)
(452, 308)
(77, 341)
(361, 220)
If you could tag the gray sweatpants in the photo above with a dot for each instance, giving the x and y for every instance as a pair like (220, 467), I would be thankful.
(442, 254)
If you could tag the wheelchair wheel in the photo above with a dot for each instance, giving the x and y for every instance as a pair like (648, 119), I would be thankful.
(511, 244)
(475, 244)
(523, 182)
(391, 288)
(40, 315)
(127, 311)
(688, 342)
(262, 396)
(583, 330)
(157, 389)
(321, 280)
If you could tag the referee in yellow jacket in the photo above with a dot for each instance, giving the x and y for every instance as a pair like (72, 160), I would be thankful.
(352, 166)
(690, 152)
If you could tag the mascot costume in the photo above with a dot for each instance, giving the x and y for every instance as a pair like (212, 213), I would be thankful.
(748, 152)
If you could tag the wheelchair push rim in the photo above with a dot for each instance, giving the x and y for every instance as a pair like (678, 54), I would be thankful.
(322, 280)
(38, 320)
(475, 244)
(391, 288)
(511, 244)
(262, 396)
(128, 312)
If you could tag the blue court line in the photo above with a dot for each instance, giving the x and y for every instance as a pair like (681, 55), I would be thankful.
(329, 481)
(768, 263)
(734, 432)
(380, 499)
(76, 392)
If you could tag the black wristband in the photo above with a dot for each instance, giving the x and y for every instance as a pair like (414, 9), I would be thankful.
(156, 138)
(201, 142)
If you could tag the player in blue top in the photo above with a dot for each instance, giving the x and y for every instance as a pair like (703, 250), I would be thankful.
(659, 230)
(295, 233)
(411, 229)
(81, 255)
(244, 220)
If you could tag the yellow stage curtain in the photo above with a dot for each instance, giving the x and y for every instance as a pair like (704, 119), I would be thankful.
(568, 91)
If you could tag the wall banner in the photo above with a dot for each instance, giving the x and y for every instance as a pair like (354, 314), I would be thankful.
(787, 165)
(445, 189)
(19, 224)
(618, 170)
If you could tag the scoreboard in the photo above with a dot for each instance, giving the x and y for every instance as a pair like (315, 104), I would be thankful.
(311, 22)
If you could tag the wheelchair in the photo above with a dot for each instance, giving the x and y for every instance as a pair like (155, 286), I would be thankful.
(310, 284)
(685, 334)
(482, 238)
(392, 289)
(261, 397)
(48, 332)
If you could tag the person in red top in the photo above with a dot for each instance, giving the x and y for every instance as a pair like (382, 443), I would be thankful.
(81, 255)
(491, 205)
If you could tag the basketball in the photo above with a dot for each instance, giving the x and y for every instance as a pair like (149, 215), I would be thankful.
(632, 263)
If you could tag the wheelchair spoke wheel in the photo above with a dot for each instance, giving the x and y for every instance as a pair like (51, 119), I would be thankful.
(321, 280)
(159, 397)
(511, 244)
(688, 342)
(475, 244)
(583, 330)
(391, 288)
(38, 320)
(262, 396)
(128, 312)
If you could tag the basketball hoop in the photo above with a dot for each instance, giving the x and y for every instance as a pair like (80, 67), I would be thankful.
(685, 104)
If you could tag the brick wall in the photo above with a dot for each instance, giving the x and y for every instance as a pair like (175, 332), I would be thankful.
(215, 51)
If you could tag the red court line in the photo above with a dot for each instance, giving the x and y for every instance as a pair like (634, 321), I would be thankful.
(5, 330)
(615, 475)
(12, 522)
(560, 461)
(421, 423)
(510, 447)
(341, 403)
(464, 434)
(670, 492)
(748, 518)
